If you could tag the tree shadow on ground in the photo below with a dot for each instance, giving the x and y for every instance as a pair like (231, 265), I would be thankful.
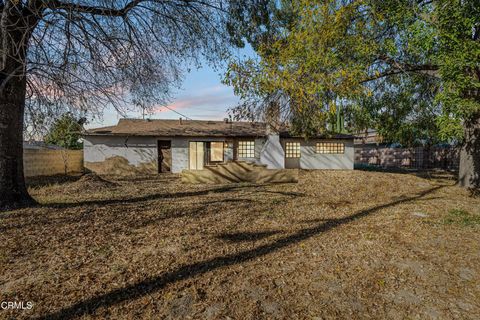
(150, 197)
(154, 284)
(245, 236)
(121, 214)
(158, 196)
(429, 174)
(42, 181)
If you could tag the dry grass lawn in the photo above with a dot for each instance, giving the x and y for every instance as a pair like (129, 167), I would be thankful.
(339, 244)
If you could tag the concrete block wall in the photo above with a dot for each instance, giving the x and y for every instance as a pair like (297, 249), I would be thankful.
(419, 157)
(45, 162)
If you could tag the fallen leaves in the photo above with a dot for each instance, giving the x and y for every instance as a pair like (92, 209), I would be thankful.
(336, 244)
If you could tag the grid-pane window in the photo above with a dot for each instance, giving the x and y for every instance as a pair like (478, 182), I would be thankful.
(292, 149)
(246, 149)
(330, 147)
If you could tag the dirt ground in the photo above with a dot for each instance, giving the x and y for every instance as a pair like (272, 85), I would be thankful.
(338, 244)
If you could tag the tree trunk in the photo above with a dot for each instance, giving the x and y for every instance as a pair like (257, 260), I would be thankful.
(13, 192)
(469, 171)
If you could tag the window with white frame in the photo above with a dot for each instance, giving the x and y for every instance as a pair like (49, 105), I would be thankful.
(330, 147)
(246, 149)
(292, 149)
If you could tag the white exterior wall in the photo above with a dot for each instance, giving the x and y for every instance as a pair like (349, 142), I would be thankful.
(309, 159)
(140, 151)
(179, 154)
(136, 150)
(180, 151)
(273, 153)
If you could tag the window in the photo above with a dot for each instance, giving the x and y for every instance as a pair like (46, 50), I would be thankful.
(292, 149)
(246, 149)
(330, 147)
(216, 151)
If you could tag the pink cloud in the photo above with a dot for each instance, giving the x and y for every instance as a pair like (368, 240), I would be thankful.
(214, 98)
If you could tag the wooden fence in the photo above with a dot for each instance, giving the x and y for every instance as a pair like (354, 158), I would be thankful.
(418, 158)
(45, 162)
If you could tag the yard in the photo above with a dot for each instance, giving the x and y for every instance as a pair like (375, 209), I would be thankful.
(339, 244)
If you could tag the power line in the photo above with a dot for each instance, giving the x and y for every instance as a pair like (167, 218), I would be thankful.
(177, 112)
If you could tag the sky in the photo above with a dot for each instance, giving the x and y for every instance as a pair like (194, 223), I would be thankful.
(202, 96)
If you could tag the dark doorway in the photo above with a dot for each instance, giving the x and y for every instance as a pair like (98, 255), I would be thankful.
(164, 148)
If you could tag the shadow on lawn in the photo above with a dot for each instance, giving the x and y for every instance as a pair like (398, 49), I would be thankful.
(122, 218)
(150, 285)
(150, 197)
(42, 181)
(245, 236)
(175, 195)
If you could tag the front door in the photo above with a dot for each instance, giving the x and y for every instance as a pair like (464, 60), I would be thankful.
(164, 148)
(196, 155)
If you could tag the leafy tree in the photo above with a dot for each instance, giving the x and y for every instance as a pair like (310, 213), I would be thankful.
(81, 56)
(66, 132)
(405, 112)
(409, 67)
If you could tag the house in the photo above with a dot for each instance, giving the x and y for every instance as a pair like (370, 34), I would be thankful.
(154, 146)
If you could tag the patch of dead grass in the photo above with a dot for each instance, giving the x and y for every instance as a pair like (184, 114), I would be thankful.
(338, 244)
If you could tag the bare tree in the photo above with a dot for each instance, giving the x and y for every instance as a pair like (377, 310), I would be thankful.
(84, 55)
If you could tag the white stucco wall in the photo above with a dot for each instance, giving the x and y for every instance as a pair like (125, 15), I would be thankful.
(136, 150)
(180, 151)
(272, 153)
(143, 150)
(309, 159)
(179, 154)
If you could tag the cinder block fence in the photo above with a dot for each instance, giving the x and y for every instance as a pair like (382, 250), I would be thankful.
(46, 162)
(417, 158)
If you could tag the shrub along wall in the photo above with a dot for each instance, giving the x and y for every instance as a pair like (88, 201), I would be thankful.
(45, 162)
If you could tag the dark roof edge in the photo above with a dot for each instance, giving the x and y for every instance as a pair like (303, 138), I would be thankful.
(336, 136)
(285, 136)
(87, 134)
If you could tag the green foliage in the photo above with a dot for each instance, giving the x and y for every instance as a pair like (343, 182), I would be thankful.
(462, 218)
(409, 69)
(66, 132)
(404, 111)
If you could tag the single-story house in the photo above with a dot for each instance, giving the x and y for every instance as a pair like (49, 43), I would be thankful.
(154, 146)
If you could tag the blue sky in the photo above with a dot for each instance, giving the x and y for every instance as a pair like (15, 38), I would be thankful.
(202, 96)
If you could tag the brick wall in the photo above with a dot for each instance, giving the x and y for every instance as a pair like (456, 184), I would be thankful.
(44, 162)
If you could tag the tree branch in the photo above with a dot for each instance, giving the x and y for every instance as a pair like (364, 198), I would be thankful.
(398, 68)
(94, 10)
